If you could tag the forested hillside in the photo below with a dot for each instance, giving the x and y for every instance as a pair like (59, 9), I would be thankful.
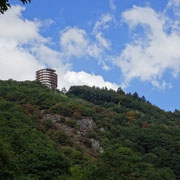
(87, 134)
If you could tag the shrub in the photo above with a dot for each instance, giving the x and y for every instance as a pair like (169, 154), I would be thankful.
(72, 123)
(91, 134)
(60, 137)
(87, 143)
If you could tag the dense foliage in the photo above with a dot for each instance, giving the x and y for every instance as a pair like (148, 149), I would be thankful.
(5, 4)
(140, 141)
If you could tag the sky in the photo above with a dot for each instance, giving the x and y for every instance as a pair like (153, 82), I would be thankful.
(133, 44)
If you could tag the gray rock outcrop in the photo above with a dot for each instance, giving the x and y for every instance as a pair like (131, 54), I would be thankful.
(96, 146)
(86, 123)
(54, 117)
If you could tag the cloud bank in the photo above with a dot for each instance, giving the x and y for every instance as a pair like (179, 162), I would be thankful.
(23, 50)
(152, 51)
(149, 55)
(76, 42)
(112, 5)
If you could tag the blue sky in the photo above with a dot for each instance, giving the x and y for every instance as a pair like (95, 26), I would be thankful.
(132, 44)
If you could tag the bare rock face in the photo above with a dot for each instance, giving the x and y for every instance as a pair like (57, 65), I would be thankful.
(86, 123)
(76, 134)
(101, 129)
(54, 117)
(65, 128)
(96, 146)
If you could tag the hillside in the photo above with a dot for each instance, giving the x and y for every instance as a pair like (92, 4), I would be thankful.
(87, 134)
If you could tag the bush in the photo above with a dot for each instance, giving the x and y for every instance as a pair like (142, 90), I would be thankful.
(87, 143)
(91, 134)
(49, 124)
(72, 123)
(60, 137)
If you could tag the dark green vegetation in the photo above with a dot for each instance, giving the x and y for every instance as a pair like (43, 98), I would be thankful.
(5, 4)
(140, 141)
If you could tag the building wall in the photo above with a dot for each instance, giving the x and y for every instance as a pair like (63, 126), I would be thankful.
(47, 77)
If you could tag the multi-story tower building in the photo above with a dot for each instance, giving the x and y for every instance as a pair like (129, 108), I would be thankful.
(47, 77)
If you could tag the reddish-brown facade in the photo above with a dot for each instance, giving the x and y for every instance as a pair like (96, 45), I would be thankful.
(47, 77)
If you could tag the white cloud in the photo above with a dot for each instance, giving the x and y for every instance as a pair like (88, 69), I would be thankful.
(173, 7)
(173, 3)
(48, 22)
(148, 57)
(103, 42)
(103, 23)
(83, 78)
(23, 50)
(17, 64)
(15, 61)
(14, 28)
(48, 56)
(146, 17)
(112, 5)
(74, 42)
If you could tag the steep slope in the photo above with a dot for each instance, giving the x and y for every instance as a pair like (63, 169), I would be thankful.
(90, 133)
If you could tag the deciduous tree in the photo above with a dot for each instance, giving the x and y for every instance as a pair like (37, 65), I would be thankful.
(5, 4)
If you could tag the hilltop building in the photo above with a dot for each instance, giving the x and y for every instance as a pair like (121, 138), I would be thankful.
(47, 77)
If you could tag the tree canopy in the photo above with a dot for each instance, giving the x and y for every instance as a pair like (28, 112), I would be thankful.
(5, 5)
(41, 135)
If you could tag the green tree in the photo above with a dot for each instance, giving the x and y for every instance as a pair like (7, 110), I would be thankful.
(8, 168)
(4, 5)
